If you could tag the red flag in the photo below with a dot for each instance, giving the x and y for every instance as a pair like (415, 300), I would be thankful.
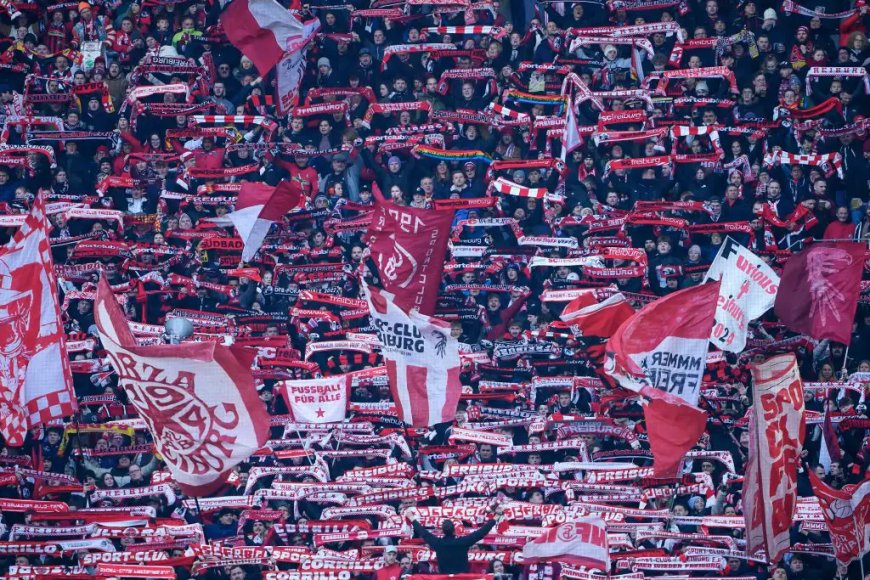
(596, 320)
(585, 299)
(35, 378)
(664, 345)
(198, 399)
(408, 246)
(819, 290)
(581, 543)
(776, 433)
(830, 441)
(673, 428)
(259, 206)
(846, 513)
(422, 361)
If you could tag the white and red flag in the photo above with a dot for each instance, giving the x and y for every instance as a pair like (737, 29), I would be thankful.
(422, 361)
(35, 378)
(776, 434)
(291, 70)
(582, 542)
(820, 292)
(661, 353)
(748, 290)
(263, 30)
(317, 400)
(198, 399)
(847, 514)
(408, 246)
(258, 206)
(664, 345)
(572, 138)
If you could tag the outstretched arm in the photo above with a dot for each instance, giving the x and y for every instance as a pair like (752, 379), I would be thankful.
(478, 535)
(431, 539)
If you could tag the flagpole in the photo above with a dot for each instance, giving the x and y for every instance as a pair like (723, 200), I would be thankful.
(79, 457)
(844, 372)
(808, 241)
(307, 453)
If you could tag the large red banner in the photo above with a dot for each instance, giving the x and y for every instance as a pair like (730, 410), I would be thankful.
(408, 246)
(776, 434)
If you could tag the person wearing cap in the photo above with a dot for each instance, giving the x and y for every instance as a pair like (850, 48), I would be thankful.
(224, 525)
(615, 67)
(91, 28)
(326, 77)
(94, 117)
(748, 18)
(391, 569)
(774, 32)
(418, 199)
(397, 172)
(476, 185)
(802, 48)
(368, 74)
(343, 173)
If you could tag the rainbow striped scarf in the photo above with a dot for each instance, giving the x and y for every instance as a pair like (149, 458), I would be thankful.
(454, 155)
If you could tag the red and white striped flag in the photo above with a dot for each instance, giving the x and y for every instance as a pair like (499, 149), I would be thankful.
(35, 378)
(422, 361)
(258, 207)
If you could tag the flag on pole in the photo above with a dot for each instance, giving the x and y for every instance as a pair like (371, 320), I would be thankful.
(263, 30)
(594, 323)
(748, 290)
(572, 138)
(258, 206)
(409, 246)
(664, 345)
(776, 433)
(422, 361)
(35, 379)
(673, 428)
(820, 290)
(847, 513)
(661, 353)
(291, 70)
(197, 399)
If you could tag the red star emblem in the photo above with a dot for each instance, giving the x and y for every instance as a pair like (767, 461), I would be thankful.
(320, 413)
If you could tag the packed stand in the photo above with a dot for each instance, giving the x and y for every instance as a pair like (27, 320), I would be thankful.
(139, 121)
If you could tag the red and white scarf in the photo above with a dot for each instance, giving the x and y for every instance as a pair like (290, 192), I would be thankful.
(837, 71)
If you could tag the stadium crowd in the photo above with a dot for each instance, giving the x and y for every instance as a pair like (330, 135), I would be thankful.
(139, 179)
